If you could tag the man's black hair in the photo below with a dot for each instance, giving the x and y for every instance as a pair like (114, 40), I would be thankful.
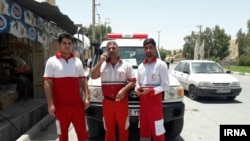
(65, 35)
(149, 41)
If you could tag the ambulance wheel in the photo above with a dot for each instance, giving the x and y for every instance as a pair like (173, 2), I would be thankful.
(96, 129)
(173, 128)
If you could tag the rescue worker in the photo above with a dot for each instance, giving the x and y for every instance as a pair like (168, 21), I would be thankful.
(63, 78)
(117, 79)
(152, 81)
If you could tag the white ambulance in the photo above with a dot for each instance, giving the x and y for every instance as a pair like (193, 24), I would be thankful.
(131, 50)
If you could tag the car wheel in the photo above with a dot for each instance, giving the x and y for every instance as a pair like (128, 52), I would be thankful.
(95, 128)
(173, 128)
(231, 97)
(193, 93)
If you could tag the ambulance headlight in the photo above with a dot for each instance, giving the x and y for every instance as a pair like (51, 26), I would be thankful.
(96, 94)
(174, 92)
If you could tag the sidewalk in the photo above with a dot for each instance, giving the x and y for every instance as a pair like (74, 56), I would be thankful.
(240, 73)
(42, 131)
(20, 117)
(45, 130)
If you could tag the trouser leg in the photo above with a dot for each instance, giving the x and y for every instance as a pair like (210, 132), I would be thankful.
(157, 122)
(122, 120)
(79, 123)
(145, 133)
(62, 123)
(109, 120)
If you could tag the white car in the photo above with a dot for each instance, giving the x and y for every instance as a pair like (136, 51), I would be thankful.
(204, 78)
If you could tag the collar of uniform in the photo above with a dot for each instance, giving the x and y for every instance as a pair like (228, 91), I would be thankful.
(145, 61)
(59, 55)
(119, 60)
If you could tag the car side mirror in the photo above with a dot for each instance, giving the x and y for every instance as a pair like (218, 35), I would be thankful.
(89, 62)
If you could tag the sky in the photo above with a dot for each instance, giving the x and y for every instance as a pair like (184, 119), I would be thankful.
(167, 21)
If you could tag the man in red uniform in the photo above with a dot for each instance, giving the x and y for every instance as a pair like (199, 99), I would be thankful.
(64, 78)
(117, 79)
(152, 81)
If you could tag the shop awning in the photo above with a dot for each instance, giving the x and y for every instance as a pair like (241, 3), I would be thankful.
(50, 13)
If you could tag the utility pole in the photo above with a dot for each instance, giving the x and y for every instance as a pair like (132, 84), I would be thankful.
(107, 21)
(99, 24)
(159, 35)
(199, 26)
(93, 22)
(199, 43)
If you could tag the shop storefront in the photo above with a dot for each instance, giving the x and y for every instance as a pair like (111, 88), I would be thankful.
(27, 38)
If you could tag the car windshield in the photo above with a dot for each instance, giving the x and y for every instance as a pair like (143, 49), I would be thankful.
(133, 55)
(206, 67)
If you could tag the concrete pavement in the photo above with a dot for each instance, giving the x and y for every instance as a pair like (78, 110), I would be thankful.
(241, 73)
(45, 125)
(20, 117)
(45, 130)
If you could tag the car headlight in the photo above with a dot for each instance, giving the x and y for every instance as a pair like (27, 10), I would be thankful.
(174, 92)
(96, 94)
(235, 84)
(205, 84)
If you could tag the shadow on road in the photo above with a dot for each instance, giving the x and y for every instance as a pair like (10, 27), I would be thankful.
(178, 138)
(214, 100)
(50, 134)
(217, 100)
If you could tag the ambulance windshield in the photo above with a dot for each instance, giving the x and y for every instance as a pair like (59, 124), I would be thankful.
(133, 55)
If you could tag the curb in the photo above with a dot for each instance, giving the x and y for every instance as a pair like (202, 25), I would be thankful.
(241, 73)
(32, 132)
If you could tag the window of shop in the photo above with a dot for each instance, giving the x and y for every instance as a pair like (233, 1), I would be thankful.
(15, 69)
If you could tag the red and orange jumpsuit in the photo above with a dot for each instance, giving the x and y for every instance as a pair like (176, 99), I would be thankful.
(155, 77)
(113, 79)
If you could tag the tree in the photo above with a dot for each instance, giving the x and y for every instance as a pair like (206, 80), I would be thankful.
(208, 37)
(163, 53)
(220, 43)
(248, 26)
(188, 48)
(216, 43)
(101, 32)
(242, 42)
